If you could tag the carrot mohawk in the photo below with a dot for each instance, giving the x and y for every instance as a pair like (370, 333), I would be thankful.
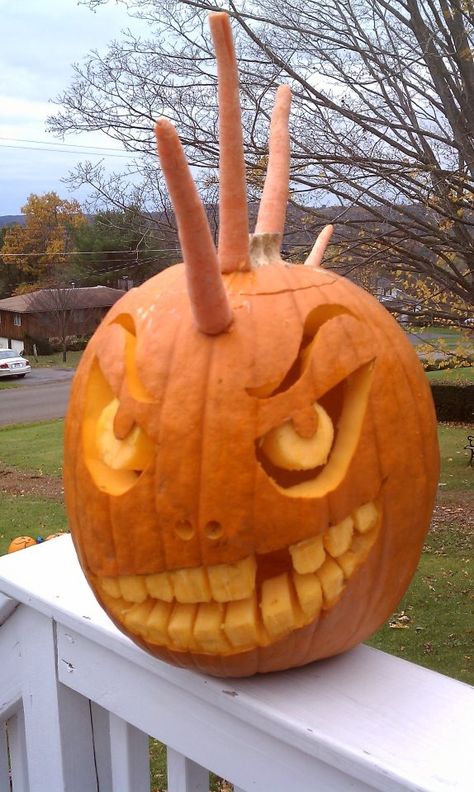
(209, 300)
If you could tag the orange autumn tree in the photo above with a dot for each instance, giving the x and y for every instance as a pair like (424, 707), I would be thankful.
(38, 247)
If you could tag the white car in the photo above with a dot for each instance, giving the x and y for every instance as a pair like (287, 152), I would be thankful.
(12, 364)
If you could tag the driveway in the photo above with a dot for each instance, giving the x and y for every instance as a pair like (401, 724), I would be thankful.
(42, 395)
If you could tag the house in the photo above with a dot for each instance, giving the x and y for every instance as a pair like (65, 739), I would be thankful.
(35, 317)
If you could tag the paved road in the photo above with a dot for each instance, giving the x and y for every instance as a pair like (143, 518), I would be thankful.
(41, 395)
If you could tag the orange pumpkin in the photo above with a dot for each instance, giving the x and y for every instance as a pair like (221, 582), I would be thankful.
(251, 457)
(20, 543)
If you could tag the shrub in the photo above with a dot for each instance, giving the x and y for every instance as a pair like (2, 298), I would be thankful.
(454, 402)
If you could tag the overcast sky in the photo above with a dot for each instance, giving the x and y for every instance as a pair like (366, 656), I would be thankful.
(40, 40)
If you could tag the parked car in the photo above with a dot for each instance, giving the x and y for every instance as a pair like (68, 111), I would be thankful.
(12, 364)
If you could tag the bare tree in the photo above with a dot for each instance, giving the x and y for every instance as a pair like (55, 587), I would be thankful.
(382, 121)
(54, 308)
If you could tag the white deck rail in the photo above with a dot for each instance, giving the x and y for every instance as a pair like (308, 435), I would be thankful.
(78, 701)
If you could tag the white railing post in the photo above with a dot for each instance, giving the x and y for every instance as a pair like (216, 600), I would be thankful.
(80, 763)
(17, 750)
(41, 702)
(129, 751)
(185, 775)
(4, 763)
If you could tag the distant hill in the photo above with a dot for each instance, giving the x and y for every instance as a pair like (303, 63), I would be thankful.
(9, 219)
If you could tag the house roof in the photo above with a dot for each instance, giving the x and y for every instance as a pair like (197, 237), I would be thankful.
(45, 300)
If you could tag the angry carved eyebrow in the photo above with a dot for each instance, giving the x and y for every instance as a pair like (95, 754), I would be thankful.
(313, 323)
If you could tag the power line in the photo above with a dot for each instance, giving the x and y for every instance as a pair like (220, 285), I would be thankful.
(60, 151)
(58, 143)
(92, 252)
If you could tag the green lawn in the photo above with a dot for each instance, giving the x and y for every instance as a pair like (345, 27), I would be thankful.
(449, 336)
(8, 383)
(456, 376)
(36, 446)
(30, 516)
(56, 360)
(433, 625)
(455, 471)
(38, 449)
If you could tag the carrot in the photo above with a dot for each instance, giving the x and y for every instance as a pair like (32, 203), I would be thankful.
(233, 247)
(322, 240)
(209, 301)
(271, 215)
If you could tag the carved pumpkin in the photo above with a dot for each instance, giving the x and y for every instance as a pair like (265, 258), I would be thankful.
(251, 457)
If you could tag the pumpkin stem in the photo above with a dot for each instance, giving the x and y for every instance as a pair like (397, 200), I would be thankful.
(209, 300)
(315, 257)
(233, 247)
(272, 211)
(264, 249)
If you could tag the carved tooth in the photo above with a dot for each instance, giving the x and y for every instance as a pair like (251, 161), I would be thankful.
(136, 617)
(180, 625)
(231, 582)
(332, 582)
(117, 607)
(208, 632)
(241, 625)
(278, 606)
(190, 585)
(133, 588)
(308, 555)
(157, 623)
(337, 538)
(365, 517)
(159, 586)
(357, 553)
(111, 586)
(309, 593)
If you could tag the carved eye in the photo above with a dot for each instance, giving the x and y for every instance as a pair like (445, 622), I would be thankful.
(300, 445)
(308, 454)
(133, 451)
(116, 449)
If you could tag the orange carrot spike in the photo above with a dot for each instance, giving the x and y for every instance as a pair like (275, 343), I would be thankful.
(322, 240)
(209, 300)
(271, 215)
(233, 248)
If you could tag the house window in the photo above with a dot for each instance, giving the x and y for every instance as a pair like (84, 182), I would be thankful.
(17, 320)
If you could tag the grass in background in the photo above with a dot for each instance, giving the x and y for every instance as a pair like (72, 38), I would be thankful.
(31, 516)
(33, 447)
(8, 383)
(38, 449)
(455, 376)
(451, 336)
(456, 474)
(433, 624)
(55, 360)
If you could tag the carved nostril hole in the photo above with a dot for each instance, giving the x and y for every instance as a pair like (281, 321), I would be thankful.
(184, 530)
(213, 529)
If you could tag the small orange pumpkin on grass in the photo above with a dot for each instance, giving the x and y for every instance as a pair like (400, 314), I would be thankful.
(20, 543)
(251, 454)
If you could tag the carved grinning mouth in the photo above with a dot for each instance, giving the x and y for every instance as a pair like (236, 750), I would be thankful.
(230, 608)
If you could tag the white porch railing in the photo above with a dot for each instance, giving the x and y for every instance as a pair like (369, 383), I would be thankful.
(78, 701)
